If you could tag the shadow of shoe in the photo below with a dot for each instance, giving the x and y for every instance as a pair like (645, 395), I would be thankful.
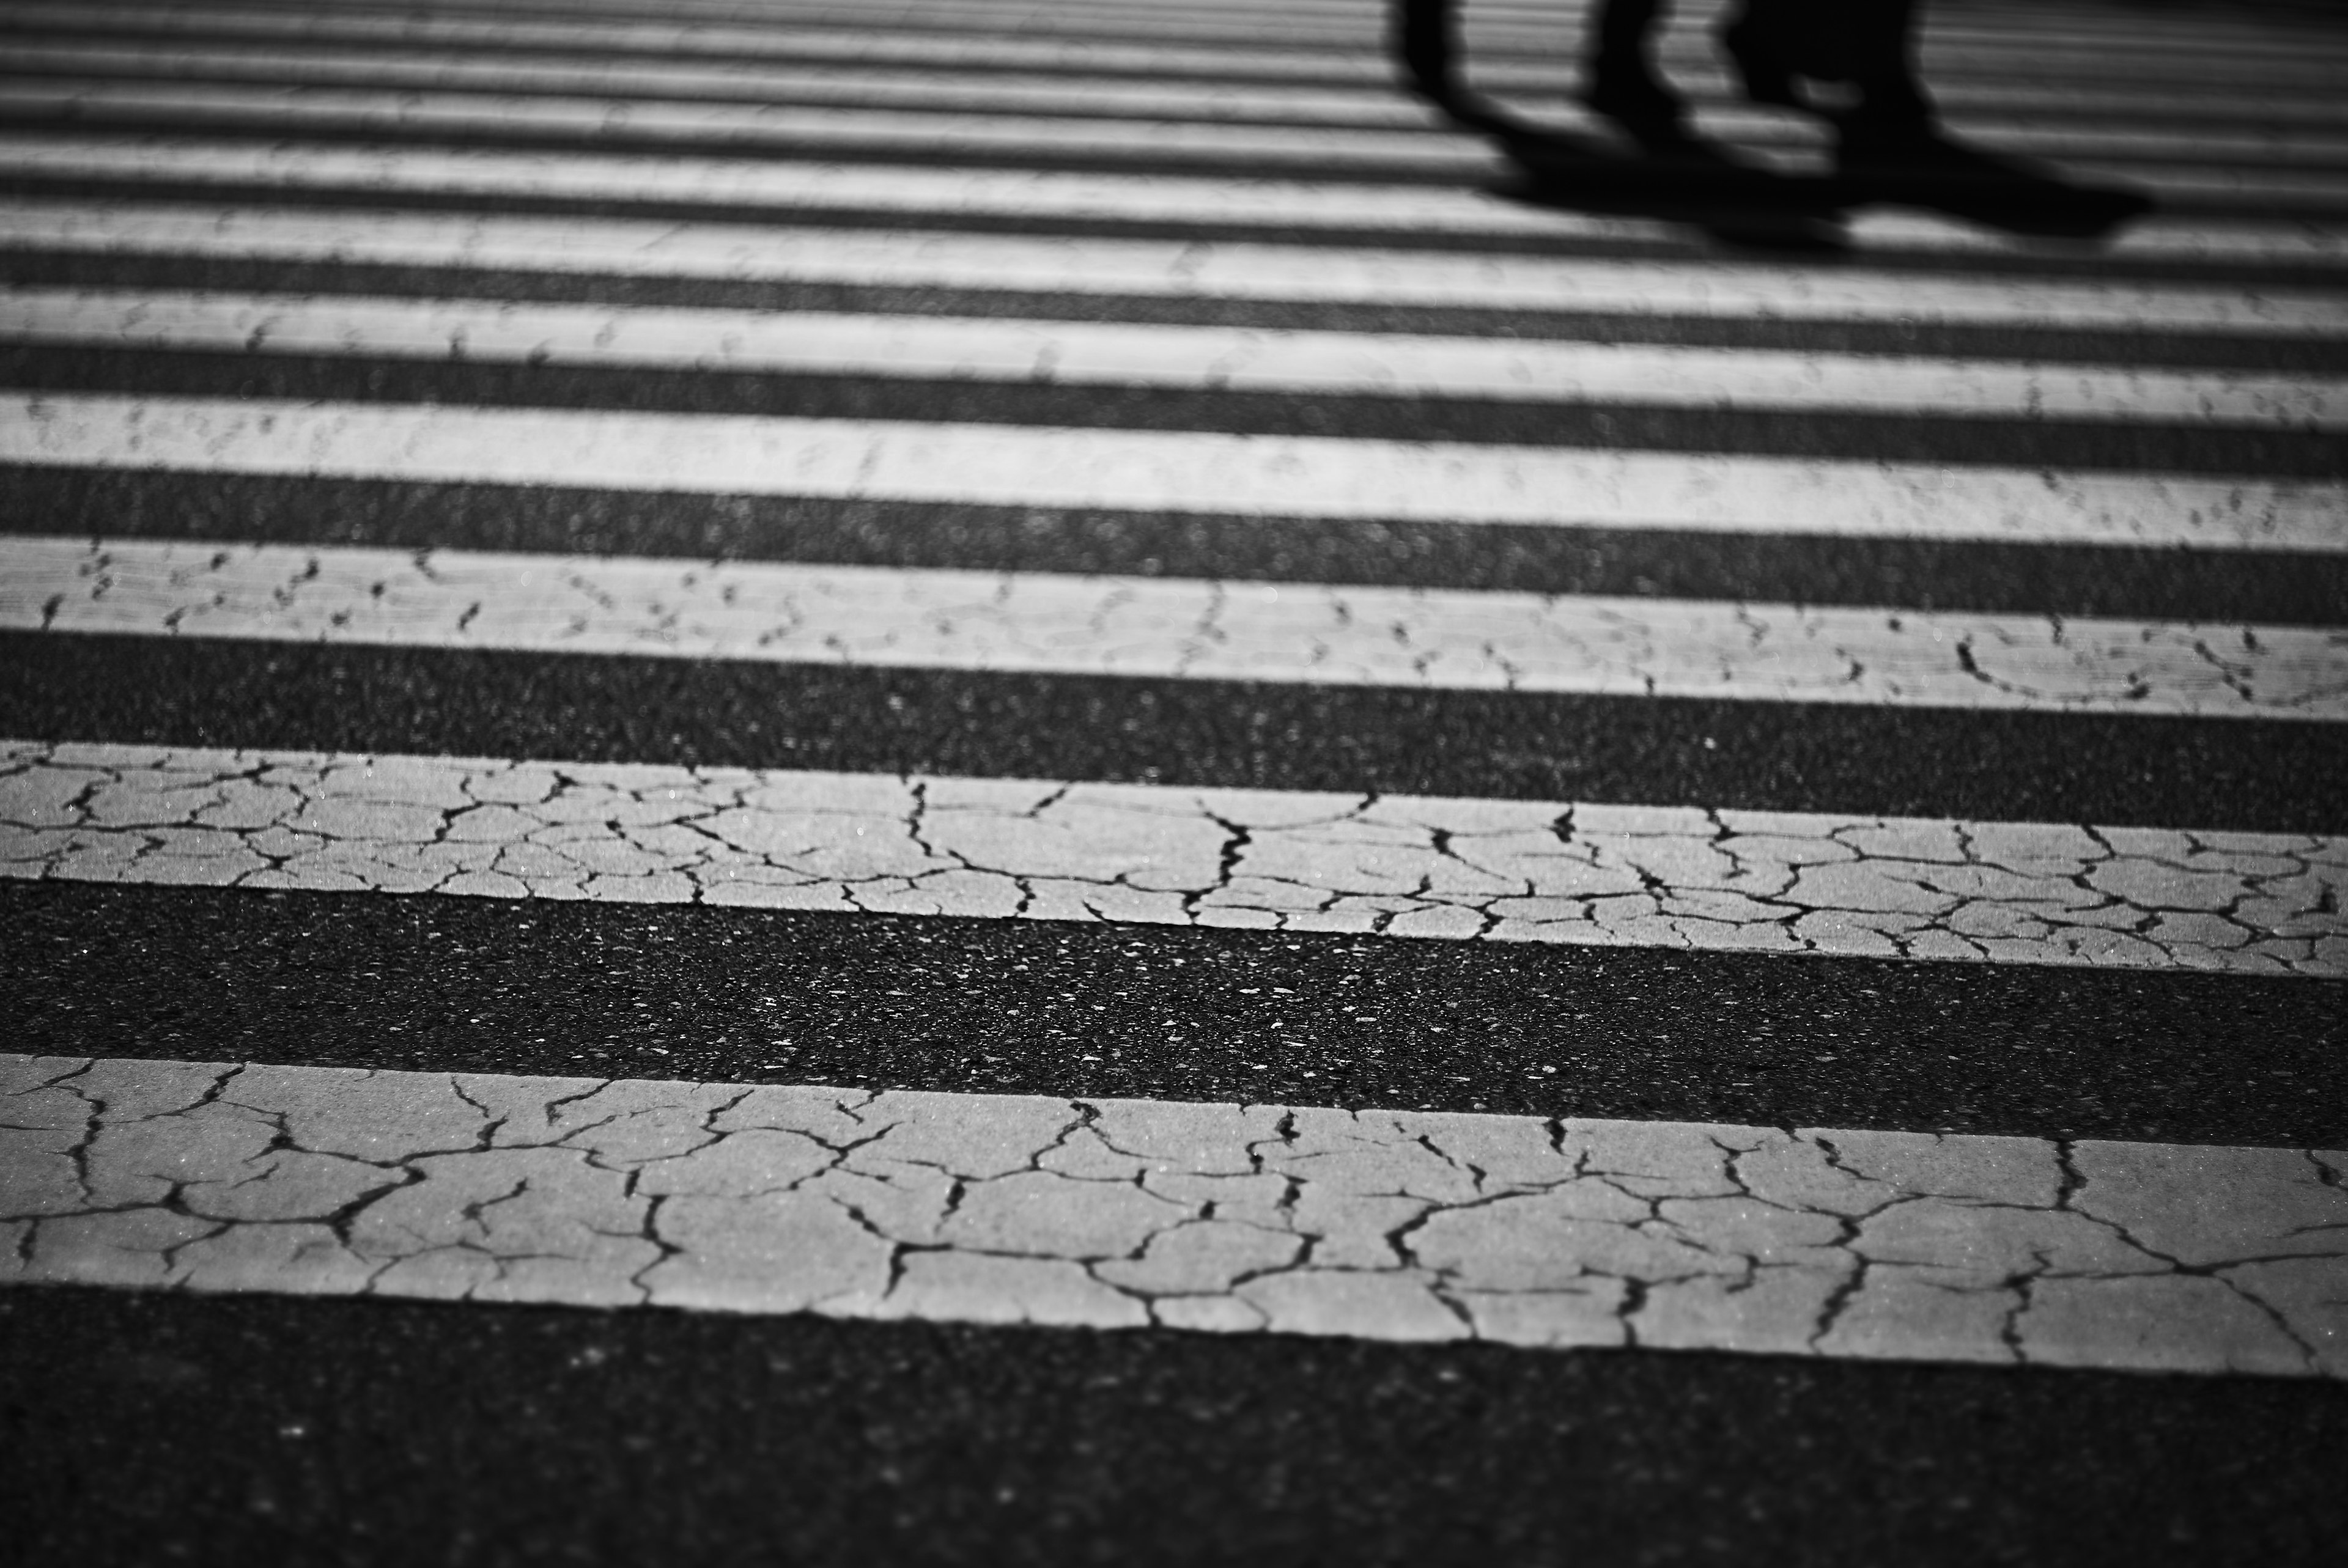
(1684, 180)
(1921, 165)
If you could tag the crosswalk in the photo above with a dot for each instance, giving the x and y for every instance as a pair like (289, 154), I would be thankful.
(1126, 490)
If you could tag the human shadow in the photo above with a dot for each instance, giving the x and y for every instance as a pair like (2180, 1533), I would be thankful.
(1665, 170)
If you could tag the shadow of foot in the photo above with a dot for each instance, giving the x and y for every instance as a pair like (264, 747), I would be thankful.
(1668, 173)
(1689, 181)
(1921, 165)
(1684, 180)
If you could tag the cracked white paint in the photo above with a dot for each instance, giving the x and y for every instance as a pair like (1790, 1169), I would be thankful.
(1187, 358)
(1156, 268)
(1171, 628)
(1218, 1217)
(1165, 470)
(1020, 193)
(1394, 865)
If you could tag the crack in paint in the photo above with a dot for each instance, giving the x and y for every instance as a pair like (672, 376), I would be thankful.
(1377, 864)
(496, 1193)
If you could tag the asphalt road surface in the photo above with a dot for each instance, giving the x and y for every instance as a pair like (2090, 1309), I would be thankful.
(987, 782)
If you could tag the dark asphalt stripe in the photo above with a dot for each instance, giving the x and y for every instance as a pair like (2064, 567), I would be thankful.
(2111, 445)
(2071, 581)
(151, 1427)
(548, 986)
(2015, 340)
(2037, 263)
(2209, 774)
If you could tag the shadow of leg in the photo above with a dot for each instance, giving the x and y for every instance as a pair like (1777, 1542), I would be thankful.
(1618, 79)
(1682, 180)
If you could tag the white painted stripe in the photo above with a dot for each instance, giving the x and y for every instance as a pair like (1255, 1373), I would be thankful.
(1363, 29)
(1171, 628)
(1538, 27)
(1552, 67)
(1498, 17)
(912, 258)
(1390, 865)
(1187, 357)
(1118, 1214)
(2198, 28)
(1950, 41)
(1972, 16)
(809, 130)
(2200, 59)
(719, 41)
(928, 192)
(1977, 108)
(1166, 471)
(740, 182)
(2086, 101)
(731, 41)
(970, 115)
(767, 82)
(1546, 21)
